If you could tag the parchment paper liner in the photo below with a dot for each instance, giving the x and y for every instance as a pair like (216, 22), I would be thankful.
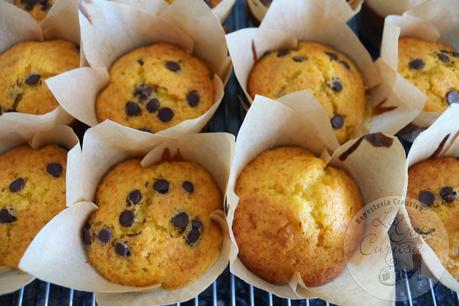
(299, 120)
(427, 144)
(432, 21)
(14, 133)
(289, 21)
(222, 10)
(111, 29)
(340, 7)
(65, 262)
(384, 7)
(16, 25)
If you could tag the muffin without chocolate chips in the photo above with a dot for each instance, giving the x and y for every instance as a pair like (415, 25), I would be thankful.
(153, 224)
(293, 215)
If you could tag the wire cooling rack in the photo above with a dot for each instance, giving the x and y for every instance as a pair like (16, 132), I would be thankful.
(228, 289)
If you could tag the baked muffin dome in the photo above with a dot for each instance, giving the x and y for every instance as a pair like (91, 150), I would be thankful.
(293, 216)
(433, 68)
(37, 8)
(435, 183)
(24, 69)
(331, 76)
(153, 224)
(32, 193)
(156, 87)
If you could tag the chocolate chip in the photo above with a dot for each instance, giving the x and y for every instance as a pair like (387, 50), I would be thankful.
(193, 236)
(29, 4)
(134, 197)
(448, 194)
(336, 86)
(173, 66)
(282, 53)
(197, 224)
(153, 105)
(86, 234)
(452, 97)
(161, 186)
(337, 121)
(127, 218)
(145, 129)
(455, 54)
(345, 64)
(193, 98)
(45, 5)
(379, 140)
(132, 109)
(54, 169)
(417, 64)
(17, 185)
(165, 114)
(143, 91)
(426, 197)
(140, 61)
(122, 249)
(104, 235)
(180, 221)
(33, 79)
(188, 186)
(443, 57)
(333, 56)
(6, 217)
(298, 58)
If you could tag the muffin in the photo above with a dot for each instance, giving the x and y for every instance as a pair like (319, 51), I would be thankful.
(433, 68)
(156, 87)
(210, 3)
(332, 77)
(24, 69)
(434, 183)
(153, 224)
(32, 193)
(293, 215)
(37, 8)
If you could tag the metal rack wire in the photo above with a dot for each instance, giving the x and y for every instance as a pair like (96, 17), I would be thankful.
(228, 289)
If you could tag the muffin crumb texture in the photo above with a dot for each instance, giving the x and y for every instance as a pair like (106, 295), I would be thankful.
(153, 224)
(294, 215)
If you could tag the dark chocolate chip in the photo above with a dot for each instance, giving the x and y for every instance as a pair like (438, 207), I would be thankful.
(298, 58)
(188, 186)
(45, 6)
(145, 129)
(134, 197)
(336, 86)
(54, 169)
(266, 3)
(452, 97)
(6, 217)
(193, 236)
(345, 64)
(127, 218)
(143, 91)
(173, 66)
(104, 235)
(333, 56)
(17, 185)
(29, 4)
(426, 197)
(153, 105)
(165, 114)
(132, 109)
(455, 54)
(180, 221)
(161, 186)
(443, 57)
(448, 194)
(140, 61)
(197, 224)
(417, 64)
(379, 140)
(33, 79)
(122, 249)
(337, 121)
(86, 234)
(282, 53)
(193, 98)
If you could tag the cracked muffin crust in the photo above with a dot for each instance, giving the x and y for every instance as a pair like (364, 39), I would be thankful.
(37, 8)
(293, 216)
(24, 69)
(156, 87)
(32, 192)
(331, 76)
(153, 224)
(435, 183)
(433, 68)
